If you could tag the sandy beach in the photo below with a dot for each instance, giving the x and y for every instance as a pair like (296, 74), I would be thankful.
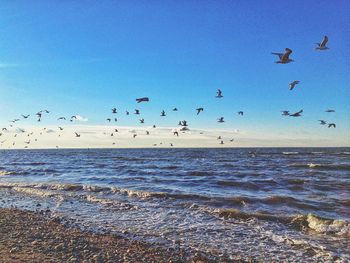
(32, 237)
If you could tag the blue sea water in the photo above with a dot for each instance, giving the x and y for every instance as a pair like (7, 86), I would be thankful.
(267, 204)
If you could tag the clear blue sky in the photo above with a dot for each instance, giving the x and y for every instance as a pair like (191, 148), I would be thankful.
(75, 58)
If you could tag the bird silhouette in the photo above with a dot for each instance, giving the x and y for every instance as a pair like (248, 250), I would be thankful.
(219, 94)
(284, 57)
(331, 125)
(221, 120)
(293, 84)
(297, 114)
(199, 110)
(322, 45)
(144, 99)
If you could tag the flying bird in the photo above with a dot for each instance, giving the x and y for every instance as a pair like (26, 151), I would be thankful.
(285, 113)
(134, 136)
(25, 116)
(77, 135)
(329, 110)
(39, 114)
(142, 120)
(144, 99)
(108, 119)
(61, 118)
(293, 84)
(284, 57)
(219, 94)
(199, 110)
(322, 122)
(162, 113)
(176, 133)
(175, 109)
(183, 123)
(137, 112)
(127, 113)
(297, 114)
(240, 113)
(114, 110)
(331, 125)
(322, 45)
(61, 129)
(221, 120)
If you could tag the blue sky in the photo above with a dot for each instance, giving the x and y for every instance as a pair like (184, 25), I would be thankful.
(85, 58)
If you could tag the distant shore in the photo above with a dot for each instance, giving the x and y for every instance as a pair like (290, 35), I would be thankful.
(31, 237)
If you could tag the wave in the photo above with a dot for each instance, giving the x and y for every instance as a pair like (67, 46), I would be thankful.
(4, 173)
(311, 222)
(341, 166)
(290, 153)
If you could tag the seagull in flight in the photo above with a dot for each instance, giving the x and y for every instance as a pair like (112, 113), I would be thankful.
(77, 135)
(61, 118)
(25, 116)
(176, 133)
(144, 99)
(162, 113)
(114, 110)
(322, 122)
(284, 57)
(297, 114)
(74, 117)
(219, 94)
(331, 125)
(285, 113)
(293, 84)
(142, 120)
(137, 112)
(175, 109)
(183, 123)
(127, 113)
(39, 114)
(240, 113)
(221, 120)
(322, 45)
(108, 119)
(199, 110)
(329, 110)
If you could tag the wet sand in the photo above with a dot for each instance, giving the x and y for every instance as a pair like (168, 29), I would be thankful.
(32, 237)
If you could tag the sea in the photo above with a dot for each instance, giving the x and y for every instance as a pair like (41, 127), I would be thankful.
(248, 204)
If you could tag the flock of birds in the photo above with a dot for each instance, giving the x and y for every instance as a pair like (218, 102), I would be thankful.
(284, 58)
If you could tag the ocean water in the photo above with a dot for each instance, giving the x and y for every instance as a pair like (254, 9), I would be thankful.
(266, 204)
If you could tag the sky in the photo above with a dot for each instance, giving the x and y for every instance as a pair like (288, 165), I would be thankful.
(86, 57)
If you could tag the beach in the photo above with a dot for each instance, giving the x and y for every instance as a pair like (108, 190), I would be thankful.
(175, 205)
(33, 237)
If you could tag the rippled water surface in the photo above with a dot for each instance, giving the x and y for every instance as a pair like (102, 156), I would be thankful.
(278, 204)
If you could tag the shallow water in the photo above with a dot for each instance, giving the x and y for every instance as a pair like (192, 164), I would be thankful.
(278, 204)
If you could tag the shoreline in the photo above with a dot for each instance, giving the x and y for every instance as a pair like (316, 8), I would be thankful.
(27, 236)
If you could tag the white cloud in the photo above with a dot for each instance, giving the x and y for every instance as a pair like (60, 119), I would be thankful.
(80, 118)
